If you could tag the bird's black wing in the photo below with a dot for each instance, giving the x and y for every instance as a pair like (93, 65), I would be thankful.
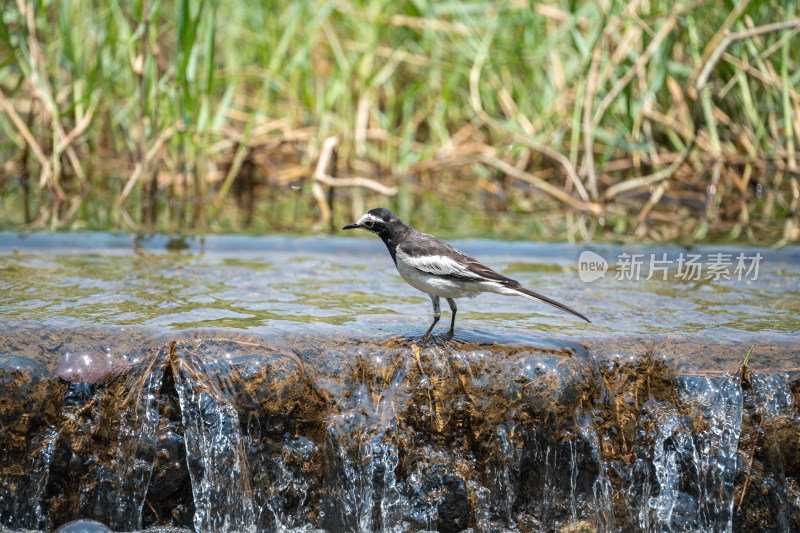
(428, 254)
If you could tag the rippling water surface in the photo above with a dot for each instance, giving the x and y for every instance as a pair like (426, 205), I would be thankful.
(250, 282)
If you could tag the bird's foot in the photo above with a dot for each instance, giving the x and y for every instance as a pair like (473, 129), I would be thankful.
(436, 340)
(426, 339)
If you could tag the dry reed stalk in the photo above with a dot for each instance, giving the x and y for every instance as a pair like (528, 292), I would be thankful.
(728, 38)
(31, 141)
(555, 192)
(588, 169)
(322, 177)
(151, 155)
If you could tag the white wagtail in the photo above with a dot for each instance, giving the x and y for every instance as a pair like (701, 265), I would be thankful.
(438, 269)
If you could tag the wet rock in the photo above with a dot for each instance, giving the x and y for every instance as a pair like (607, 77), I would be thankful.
(26, 393)
(349, 433)
(182, 515)
(169, 471)
(582, 526)
(545, 380)
(454, 509)
(30, 401)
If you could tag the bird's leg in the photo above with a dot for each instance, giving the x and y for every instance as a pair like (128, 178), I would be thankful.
(453, 308)
(437, 312)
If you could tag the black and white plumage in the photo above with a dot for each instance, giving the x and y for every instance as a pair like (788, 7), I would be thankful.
(438, 269)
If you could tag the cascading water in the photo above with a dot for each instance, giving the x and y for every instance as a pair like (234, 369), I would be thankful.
(688, 457)
(771, 449)
(602, 491)
(214, 450)
(224, 433)
(715, 408)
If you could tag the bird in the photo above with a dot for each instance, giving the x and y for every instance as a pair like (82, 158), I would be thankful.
(439, 269)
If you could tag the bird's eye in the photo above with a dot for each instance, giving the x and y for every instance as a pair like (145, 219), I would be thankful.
(368, 223)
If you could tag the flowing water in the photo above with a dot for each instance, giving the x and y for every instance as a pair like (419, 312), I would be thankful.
(281, 384)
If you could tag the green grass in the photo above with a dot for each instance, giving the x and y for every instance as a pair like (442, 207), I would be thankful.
(210, 116)
(746, 359)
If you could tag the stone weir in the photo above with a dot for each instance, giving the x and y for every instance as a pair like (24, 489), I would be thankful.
(332, 430)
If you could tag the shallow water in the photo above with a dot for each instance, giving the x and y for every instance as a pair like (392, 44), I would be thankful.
(250, 282)
(280, 384)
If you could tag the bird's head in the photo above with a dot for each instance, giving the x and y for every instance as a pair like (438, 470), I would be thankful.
(377, 221)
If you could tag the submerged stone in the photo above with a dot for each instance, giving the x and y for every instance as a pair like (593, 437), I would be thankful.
(90, 367)
(30, 368)
(83, 526)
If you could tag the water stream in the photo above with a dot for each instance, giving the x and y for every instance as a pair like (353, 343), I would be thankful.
(276, 384)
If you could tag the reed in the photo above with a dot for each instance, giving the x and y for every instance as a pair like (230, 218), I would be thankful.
(650, 120)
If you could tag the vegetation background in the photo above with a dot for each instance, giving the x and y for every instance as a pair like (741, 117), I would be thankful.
(624, 120)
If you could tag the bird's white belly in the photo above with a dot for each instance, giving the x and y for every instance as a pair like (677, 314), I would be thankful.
(438, 286)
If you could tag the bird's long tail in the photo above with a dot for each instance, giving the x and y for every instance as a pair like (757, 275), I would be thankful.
(522, 291)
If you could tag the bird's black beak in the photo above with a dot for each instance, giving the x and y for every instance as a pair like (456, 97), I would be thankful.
(354, 225)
